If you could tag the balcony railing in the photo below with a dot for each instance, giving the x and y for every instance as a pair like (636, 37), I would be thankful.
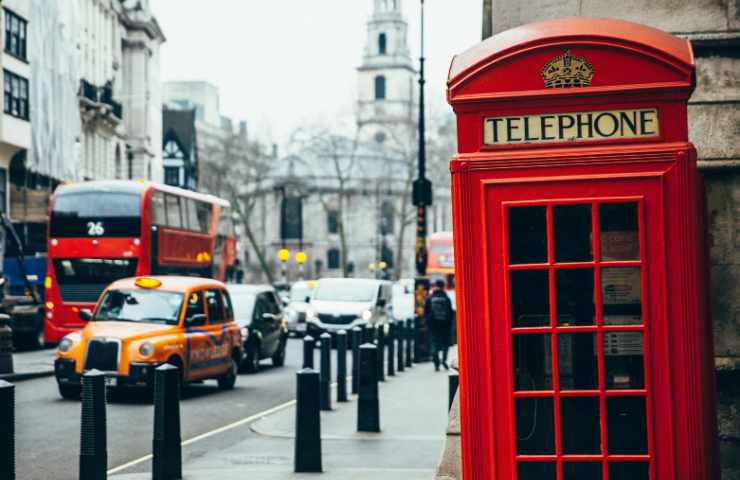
(99, 96)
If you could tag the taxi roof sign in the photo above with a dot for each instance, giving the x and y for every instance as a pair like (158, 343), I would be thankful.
(145, 282)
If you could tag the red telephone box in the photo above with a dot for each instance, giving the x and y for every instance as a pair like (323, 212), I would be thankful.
(585, 338)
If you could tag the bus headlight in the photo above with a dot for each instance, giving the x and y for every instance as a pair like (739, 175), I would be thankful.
(311, 314)
(146, 349)
(66, 344)
(367, 315)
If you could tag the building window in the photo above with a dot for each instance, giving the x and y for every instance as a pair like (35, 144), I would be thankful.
(387, 218)
(172, 176)
(380, 87)
(3, 191)
(382, 41)
(172, 150)
(291, 225)
(332, 221)
(16, 95)
(15, 35)
(332, 258)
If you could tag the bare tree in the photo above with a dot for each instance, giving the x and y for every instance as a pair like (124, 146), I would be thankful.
(337, 154)
(238, 171)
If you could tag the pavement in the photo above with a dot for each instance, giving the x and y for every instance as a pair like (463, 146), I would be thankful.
(413, 416)
(31, 364)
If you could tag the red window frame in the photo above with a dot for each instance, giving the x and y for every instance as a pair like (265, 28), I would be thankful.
(553, 330)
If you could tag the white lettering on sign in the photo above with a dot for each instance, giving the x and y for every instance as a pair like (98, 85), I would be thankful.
(570, 127)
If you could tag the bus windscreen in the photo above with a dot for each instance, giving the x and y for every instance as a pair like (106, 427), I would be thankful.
(96, 214)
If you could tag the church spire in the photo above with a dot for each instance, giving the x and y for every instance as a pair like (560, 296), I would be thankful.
(383, 6)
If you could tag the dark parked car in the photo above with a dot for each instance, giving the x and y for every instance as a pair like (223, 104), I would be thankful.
(258, 311)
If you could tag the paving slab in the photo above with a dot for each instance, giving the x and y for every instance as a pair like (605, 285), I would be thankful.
(413, 407)
(31, 364)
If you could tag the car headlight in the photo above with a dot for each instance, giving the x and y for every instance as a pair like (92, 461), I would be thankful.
(292, 316)
(66, 344)
(367, 315)
(245, 333)
(311, 314)
(146, 349)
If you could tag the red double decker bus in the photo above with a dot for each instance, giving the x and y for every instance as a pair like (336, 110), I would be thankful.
(441, 258)
(101, 231)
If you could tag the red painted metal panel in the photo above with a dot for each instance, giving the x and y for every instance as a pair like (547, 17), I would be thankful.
(634, 67)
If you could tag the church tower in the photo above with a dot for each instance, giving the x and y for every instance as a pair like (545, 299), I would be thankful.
(386, 77)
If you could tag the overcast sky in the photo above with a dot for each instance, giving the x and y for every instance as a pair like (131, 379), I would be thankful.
(279, 63)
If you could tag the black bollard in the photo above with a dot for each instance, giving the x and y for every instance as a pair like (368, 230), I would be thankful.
(7, 430)
(356, 341)
(454, 382)
(409, 343)
(400, 335)
(325, 373)
(381, 351)
(93, 437)
(368, 407)
(6, 344)
(166, 450)
(341, 366)
(307, 454)
(368, 334)
(309, 343)
(391, 341)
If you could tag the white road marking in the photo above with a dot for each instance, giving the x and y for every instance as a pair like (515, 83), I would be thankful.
(238, 423)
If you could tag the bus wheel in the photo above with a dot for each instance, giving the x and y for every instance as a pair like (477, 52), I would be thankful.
(69, 392)
(228, 379)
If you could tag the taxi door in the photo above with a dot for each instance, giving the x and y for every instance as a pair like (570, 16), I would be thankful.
(197, 344)
(219, 346)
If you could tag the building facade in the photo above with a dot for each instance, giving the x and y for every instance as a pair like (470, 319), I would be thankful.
(714, 121)
(345, 200)
(15, 125)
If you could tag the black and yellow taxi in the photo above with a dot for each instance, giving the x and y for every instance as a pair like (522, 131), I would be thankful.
(141, 323)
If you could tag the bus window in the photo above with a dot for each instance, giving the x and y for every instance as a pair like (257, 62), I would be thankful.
(204, 216)
(96, 214)
(173, 211)
(159, 216)
(192, 214)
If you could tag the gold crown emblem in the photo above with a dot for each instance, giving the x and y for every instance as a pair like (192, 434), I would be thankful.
(567, 71)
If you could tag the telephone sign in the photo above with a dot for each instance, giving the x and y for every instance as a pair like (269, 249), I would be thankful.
(585, 343)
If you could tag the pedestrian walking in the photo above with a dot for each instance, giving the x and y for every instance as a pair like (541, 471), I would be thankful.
(439, 317)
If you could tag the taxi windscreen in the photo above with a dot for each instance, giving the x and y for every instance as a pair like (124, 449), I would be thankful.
(142, 306)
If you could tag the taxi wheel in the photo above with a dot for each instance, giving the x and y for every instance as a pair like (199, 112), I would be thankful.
(228, 379)
(69, 392)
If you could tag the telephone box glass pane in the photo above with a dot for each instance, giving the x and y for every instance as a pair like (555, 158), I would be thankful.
(536, 470)
(624, 366)
(577, 362)
(572, 233)
(618, 231)
(580, 425)
(530, 306)
(575, 296)
(621, 296)
(629, 471)
(527, 235)
(581, 471)
(626, 425)
(532, 362)
(535, 427)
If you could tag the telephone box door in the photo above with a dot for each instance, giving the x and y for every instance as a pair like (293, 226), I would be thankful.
(578, 393)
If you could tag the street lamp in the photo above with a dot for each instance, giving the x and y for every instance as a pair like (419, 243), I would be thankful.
(422, 198)
(284, 256)
(300, 257)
